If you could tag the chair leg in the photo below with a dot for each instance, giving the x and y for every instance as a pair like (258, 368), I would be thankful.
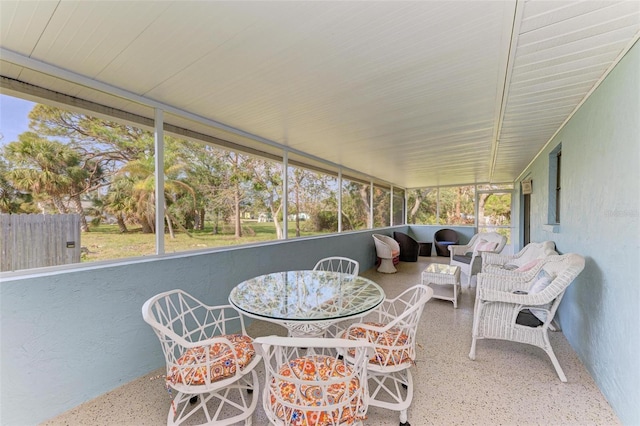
(549, 350)
(223, 406)
(472, 353)
(403, 418)
(556, 364)
(392, 391)
(474, 329)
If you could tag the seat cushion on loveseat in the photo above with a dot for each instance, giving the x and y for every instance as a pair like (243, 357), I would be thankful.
(462, 259)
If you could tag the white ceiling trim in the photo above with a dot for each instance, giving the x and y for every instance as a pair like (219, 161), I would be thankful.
(503, 88)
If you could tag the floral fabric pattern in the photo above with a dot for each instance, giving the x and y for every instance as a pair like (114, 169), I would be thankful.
(396, 350)
(193, 366)
(317, 368)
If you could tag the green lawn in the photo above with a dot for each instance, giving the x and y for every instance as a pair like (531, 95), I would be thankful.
(105, 242)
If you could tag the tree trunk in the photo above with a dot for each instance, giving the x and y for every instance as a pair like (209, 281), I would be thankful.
(121, 225)
(297, 188)
(173, 236)
(199, 219)
(276, 222)
(57, 202)
(216, 223)
(482, 199)
(146, 226)
(77, 204)
(458, 204)
(236, 200)
(346, 220)
(414, 210)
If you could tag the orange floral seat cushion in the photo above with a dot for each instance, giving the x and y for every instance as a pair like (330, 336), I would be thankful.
(315, 368)
(192, 365)
(396, 351)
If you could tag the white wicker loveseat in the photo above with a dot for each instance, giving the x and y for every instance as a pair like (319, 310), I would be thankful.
(520, 306)
(523, 260)
(468, 257)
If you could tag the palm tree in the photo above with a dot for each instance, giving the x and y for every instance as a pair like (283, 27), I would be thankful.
(40, 167)
(141, 171)
(49, 170)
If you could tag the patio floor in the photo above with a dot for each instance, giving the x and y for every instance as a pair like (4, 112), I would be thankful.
(509, 383)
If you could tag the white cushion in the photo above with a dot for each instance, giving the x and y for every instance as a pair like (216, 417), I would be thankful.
(485, 246)
(543, 279)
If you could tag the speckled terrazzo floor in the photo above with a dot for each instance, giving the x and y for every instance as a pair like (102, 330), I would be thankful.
(508, 384)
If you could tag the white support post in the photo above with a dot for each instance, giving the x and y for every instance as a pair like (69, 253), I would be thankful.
(438, 205)
(370, 204)
(285, 194)
(391, 206)
(159, 177)
(339, 200)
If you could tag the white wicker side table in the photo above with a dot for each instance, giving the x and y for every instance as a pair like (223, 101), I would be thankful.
(444, 280)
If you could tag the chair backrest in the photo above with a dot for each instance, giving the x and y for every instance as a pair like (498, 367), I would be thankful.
(187, 328)
(385, 245)
(385, 239)
(400, 317)
(401, 238)
(338, 264)
(304, 379)
(534, 251)
(565, 268)
(493, 237)
(446, 235)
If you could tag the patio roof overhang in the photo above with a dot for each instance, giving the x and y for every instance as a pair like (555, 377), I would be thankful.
(414, 93)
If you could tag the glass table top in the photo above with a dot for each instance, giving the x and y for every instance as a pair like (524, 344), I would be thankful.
(306, 295)
(439, 268)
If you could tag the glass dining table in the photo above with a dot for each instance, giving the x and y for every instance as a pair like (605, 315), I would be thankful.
(306, 302)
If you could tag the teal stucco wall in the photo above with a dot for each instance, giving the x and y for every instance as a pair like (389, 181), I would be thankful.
(70, 335)
(600, 215)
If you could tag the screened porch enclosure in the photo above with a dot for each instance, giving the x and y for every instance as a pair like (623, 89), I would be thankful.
(405, 104)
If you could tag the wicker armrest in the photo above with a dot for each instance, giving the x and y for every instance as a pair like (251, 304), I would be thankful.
(459, 250)
(493, 258)
(541, 299)
(519, 282)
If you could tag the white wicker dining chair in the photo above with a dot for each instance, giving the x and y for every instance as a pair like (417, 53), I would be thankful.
(210, 360)
(497, 262)
(307, 384)
(520, 306)
(392, 329)
(338, 264)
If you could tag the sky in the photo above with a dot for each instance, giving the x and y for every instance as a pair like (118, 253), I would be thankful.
(13, 117)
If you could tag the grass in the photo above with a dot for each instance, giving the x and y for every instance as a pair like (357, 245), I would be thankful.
(105, 242)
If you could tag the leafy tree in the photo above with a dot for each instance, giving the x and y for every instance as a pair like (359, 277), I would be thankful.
(49, 170)
(422, 205)
(382, 205)
(355, 205)
(142, 173)
(13, 200)
(205, 171)
(267, 190)
(310, 194)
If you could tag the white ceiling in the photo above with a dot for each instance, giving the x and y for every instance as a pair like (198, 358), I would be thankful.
(415, 93)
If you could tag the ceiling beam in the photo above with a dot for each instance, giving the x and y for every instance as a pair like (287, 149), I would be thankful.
(504, 82)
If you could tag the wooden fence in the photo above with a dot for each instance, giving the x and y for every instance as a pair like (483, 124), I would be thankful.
(36, 240)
